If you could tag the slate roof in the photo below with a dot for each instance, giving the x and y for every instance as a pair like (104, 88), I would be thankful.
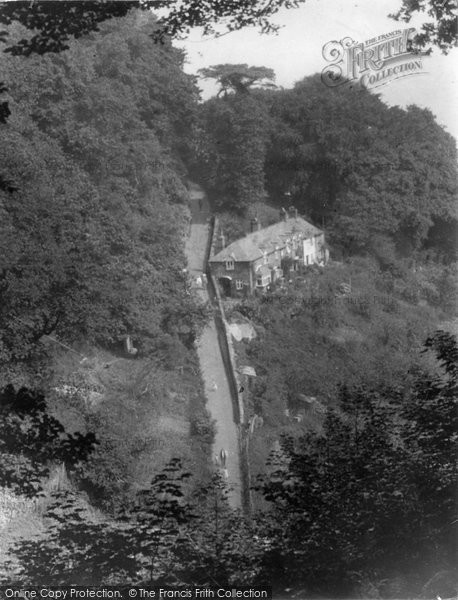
(263, 270)
(253, 245)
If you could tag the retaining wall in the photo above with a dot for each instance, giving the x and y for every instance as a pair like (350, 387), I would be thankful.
(228, 355)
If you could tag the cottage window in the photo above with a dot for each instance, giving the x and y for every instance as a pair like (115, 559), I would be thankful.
(262, 281)
(239, 284)
(229, 265)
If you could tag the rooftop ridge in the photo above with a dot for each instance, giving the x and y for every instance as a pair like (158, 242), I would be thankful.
(254, 244)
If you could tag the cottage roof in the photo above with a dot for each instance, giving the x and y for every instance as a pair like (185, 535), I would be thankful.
(263, 270)
(253, 246)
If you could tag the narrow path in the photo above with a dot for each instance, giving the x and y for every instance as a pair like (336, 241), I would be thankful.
(219, 400)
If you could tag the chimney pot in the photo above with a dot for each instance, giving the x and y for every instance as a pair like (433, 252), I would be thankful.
(255, 225)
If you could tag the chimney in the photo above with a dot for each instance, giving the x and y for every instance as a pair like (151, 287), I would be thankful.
(222, 241)
(255, 225)
(292, 212)
(283, 215)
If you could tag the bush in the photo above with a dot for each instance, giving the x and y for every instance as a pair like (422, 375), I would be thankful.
(203, 428)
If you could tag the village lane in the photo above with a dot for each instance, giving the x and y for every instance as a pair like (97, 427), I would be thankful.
(219, 400)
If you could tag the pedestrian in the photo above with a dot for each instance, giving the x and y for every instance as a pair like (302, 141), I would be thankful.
(204, 279)
(199, 282)
(200, 204)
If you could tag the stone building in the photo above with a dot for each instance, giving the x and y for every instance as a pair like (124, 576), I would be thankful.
(262, 257)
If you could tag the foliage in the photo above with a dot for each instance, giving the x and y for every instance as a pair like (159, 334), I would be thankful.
(359, 168)
(138, 546)
(223, 548)
(430, 436)
(311, 338)
(441, 31)
(164, 537)
(238, 78)
(54, 25)
(368, 174)
(31, 440)
(93, 222)
(368, 503)
(372, 499)
(231, 159)
(142, 411)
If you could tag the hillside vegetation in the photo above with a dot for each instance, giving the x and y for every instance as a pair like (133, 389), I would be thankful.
(93, 222)
(338, 351)
(95, 216)
(380, 180)
(357, 497)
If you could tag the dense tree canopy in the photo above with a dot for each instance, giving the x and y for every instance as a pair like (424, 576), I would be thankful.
(360, 167)
(231, 154)
(93, 219)
(363, 507)
(370, 174)
(54, 24)
(370, 501)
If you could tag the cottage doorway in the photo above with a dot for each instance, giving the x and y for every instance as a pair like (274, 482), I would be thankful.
(225, 284)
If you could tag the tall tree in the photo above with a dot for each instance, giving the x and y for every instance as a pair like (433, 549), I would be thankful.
(94, 162)
(359, 167)
(56, 24)
(371, 500)
(31, 441)
(239, 78)
(232, 155)
(165, 537)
